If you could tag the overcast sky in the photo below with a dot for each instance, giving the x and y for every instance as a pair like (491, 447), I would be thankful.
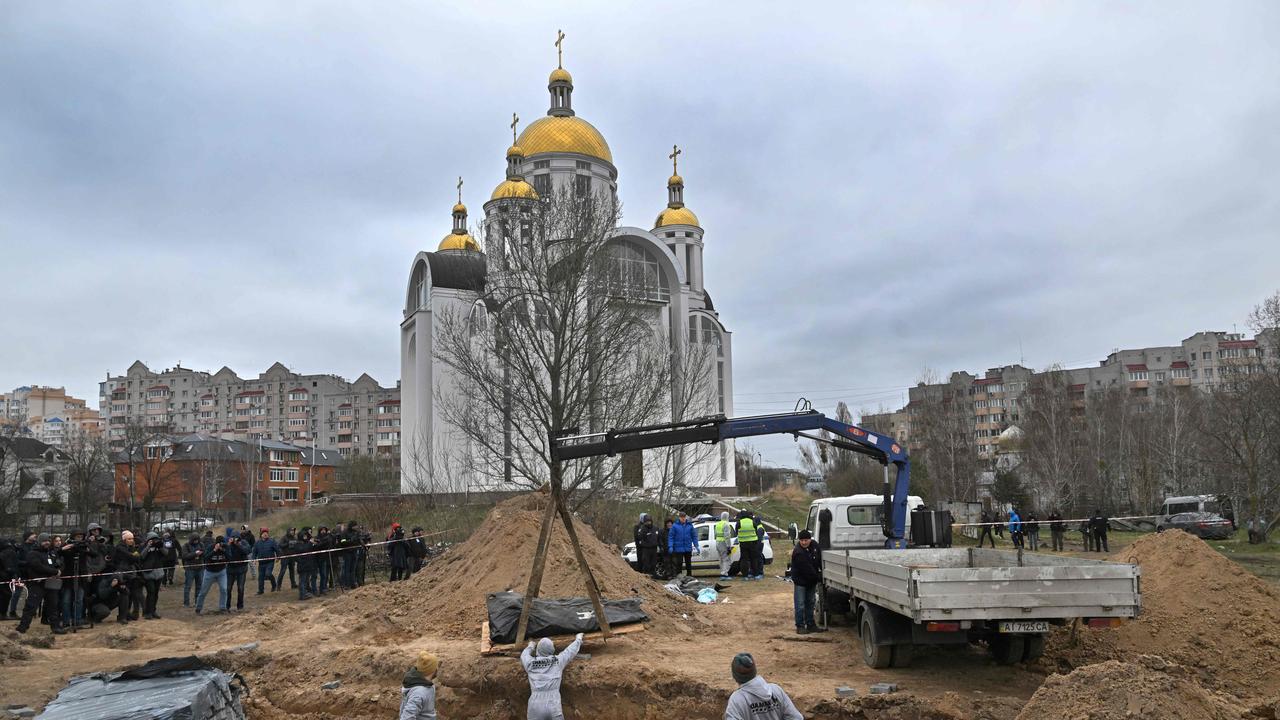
(885, 187)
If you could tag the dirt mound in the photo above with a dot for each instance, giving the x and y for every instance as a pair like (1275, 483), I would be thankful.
(448, 597)
(11, 650)
(1113, 690)
(1200, 610)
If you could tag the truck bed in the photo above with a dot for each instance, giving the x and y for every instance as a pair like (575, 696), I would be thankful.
(972, 584)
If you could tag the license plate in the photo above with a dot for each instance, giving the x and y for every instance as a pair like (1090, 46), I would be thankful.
(1024, 626)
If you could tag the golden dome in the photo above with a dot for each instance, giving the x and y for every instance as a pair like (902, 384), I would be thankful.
(514, 189)
(564, 134)
(515, 151)
(460, 208)
(675, 180)
(676, 216)
(560, 74)
(459, 241)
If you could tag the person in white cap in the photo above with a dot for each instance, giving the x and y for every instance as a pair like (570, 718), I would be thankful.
(545, 668)
(756, 699)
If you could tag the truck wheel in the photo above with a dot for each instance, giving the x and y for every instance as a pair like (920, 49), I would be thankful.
(1007, 649)
(1033, 647)
(902, 655)
(874, 655)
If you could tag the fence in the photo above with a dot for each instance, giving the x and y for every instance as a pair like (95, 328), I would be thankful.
(113, 519)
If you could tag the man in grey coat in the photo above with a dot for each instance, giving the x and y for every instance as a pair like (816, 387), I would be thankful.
(418, 690)
(545, 669)
(756, 699)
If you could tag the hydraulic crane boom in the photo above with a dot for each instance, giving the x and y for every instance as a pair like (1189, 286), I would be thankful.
(716, 428)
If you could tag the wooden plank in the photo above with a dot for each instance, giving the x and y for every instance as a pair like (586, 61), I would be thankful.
(539, 562)
(488, 648)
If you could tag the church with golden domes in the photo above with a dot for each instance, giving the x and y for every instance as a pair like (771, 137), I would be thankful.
(558, 152)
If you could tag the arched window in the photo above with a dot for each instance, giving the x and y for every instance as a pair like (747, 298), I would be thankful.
(478, 320)
(418, 287)
(634, 273)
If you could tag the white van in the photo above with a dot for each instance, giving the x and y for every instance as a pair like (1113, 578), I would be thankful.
(856, 520)
(1196, 503)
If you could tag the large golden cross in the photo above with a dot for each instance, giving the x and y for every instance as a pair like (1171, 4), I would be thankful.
(675, 154)
(459, 189)
(559, 48)
(514, 120)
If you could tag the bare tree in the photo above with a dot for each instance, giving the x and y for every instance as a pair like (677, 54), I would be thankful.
(88, 461)
(136, 435)
(942, 425)
(566, 335)
(693, 394)
(844, 471)
(1054, 442)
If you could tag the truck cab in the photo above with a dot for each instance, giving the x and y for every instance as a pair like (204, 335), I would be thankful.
(856, 521)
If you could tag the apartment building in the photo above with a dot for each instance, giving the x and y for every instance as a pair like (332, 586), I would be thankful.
(214, 475)
(358, 417)
(47, 413)
(994, 402)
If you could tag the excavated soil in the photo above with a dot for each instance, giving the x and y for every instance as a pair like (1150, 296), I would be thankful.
(448, 597)
(11, 650)
(1148, 687)
(1199, 610)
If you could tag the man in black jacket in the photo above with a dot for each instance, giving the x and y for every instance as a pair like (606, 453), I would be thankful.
(806, 575)
(37, 565)
(8, 571)
(1057, 529)
(417, 551)
(646, 538)
(1098, 526)
(323, 542)
(125, 557)
(308, 564)
(287, 564)
(192, 568)
(397, 553)
(349, 543)
(151, 565)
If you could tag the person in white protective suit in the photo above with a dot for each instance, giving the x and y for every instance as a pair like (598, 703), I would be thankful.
(545, 668)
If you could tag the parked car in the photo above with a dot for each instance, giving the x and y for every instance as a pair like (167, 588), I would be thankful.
(1207, 525)
(182, 525)
(707, 560)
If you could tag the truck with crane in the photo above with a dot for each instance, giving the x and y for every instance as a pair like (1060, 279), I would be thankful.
(902, 598)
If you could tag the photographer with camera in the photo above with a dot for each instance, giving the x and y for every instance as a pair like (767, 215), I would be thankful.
(398, 553)
(171, 546)
(75, 562)
(215, 571)
(38, 566)
(323, 542)
(192, 567)
(8, 571)
(349, 546)
(308, 564)
(286, 563)
(417, 551)
(151, 568)
(125, 557)
(237, 569)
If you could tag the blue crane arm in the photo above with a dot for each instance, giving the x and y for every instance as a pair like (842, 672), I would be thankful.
(714, 429)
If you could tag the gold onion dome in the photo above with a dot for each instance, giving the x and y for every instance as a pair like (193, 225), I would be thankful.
(564, 133)
(514, 188)
(459, 241)
(515, 151)
(460, 208)
(676, 216)
(675, 180)
(560, 75)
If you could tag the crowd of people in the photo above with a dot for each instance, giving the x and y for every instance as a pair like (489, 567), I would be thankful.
(667, 552)
(1024, 533)
(83, 577)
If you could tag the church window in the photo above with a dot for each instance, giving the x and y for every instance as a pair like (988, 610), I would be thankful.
(541, 164)
(418, 288)
(581, 185)
(542, 184)
(634, 273)
(583, 165)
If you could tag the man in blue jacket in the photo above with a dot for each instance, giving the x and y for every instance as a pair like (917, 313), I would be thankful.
(265, 551)
(1015, 527)
(682, 542)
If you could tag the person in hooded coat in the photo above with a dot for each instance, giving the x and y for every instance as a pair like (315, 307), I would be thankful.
(151, 565)
(38, 566)
(545, 669)
(756, 699)
(398, 553)
(418, 690)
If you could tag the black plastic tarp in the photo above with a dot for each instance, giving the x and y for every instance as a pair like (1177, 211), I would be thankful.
(559, 616)
(165, 689)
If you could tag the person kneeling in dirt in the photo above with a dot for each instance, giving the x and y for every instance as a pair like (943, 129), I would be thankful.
(418, 692)
(545, 669)
(756, 699)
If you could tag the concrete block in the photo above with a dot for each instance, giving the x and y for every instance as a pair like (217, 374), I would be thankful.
(846, 691)
(882, 688)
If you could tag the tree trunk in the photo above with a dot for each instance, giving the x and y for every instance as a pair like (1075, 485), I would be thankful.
(539, 563)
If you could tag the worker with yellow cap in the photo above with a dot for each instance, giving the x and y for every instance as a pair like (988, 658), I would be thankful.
(418, 691)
